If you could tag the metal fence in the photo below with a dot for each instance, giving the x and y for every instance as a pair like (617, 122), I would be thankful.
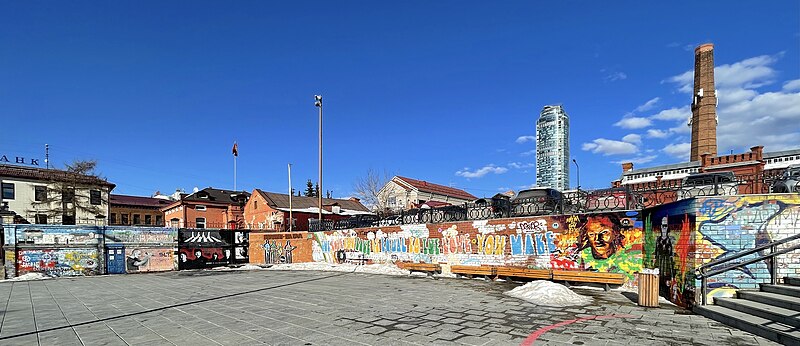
(628, 197)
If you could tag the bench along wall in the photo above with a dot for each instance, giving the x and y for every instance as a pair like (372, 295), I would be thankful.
(603, 242)
(283, 247)
(683, 235)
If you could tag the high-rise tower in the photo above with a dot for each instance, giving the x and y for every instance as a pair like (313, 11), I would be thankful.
(552, 148)
(704, 104)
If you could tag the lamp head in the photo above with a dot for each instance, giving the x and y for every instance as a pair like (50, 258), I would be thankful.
(318, 100)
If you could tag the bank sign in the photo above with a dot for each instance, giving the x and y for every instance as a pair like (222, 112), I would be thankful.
(19, 160)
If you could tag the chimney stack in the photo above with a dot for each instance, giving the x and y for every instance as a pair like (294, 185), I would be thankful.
(704, 104)
(627, 166)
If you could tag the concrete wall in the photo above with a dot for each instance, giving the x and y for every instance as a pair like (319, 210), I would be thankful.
(683, 235)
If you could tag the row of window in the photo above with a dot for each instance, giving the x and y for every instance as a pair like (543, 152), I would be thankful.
(124, 219)
(679, 171)
(782, 159)
(40, 194)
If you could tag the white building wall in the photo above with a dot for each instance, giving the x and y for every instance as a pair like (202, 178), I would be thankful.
(23, 202)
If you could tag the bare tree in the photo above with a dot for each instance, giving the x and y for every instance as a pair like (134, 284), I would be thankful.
(77, 190)
(368, 189)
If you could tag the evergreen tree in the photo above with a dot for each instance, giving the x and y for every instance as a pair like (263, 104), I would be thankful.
(316, 190)
(310, 191)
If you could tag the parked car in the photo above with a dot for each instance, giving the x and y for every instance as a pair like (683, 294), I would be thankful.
(709, 184)
(789, 181)
(496, 207)
(537, 201)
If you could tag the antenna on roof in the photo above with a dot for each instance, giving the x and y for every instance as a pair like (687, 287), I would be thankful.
(47, 156)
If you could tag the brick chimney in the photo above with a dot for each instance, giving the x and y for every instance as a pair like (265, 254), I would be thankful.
(627, 166)
(354, 199)
(704, 104)
(758, 152)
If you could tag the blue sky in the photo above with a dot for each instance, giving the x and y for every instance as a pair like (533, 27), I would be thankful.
(442, 91)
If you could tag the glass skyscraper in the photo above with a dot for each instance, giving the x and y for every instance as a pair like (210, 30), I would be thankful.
(552, 148)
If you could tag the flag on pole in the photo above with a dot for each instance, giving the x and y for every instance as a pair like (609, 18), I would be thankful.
(235, 149)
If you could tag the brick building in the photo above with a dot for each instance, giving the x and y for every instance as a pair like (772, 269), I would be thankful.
(135, 210)
(270, 211)
(207, 208)
(754, 169)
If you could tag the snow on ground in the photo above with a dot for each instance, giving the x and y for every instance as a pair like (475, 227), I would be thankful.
(243, 267)
(29, 277)
(548, 293)
(385, 269)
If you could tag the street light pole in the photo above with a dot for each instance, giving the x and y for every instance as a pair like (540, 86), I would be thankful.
(578, 173)
(318, 103)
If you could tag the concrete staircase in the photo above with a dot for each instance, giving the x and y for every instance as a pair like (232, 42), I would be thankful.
(772, 313)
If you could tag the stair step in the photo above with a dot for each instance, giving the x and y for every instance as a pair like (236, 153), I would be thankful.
(787, 290)
(791, 281)
(770, 312)
(784, 301)
(763, 327)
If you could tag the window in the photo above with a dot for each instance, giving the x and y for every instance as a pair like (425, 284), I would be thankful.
(68, 195)
(159, 221)
(148, 219)
(41, 219)
(255, 204)
(200, 208)
(8, 190)
(94, 197)
(124, 219)
(112, 218)
(200, 222)
(39, 193)
(392, 201)
(137, 220)
(175, 222)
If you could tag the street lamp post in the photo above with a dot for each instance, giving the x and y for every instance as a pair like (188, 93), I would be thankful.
(578, 173)
(318, 104)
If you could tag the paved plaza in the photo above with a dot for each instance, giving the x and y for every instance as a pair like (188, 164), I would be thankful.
(323, 308)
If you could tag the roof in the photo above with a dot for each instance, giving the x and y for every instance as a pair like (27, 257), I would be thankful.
(138, 201)
(281, 201)
(664, 168)
(775, 154)
(212, 195)
(10, 171)
(425, 186)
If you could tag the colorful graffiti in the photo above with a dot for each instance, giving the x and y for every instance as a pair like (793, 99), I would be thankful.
(692, 232)
(276, 252)
(149, 259)
(58, 262)
(609, 242)
(141, 235)
(61, 235)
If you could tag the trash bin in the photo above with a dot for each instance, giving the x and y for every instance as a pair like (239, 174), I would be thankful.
(648, 288)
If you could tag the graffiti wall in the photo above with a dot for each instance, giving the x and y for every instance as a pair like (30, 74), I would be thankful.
(608, 242)
(683, 235)
(141, 235)
(202, 248)
(58, 262)
(276, 248)
(144, 259)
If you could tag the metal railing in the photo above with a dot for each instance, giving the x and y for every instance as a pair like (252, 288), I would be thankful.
(627, 197)
(707, 270)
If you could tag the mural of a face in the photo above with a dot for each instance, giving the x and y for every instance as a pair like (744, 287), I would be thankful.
(601, 237)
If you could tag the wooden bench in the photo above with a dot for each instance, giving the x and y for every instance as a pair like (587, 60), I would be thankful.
(429, 268)
(591, 277)
(470, 271)
(522, 272)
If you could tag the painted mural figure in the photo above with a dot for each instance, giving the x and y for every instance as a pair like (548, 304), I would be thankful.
(664, 256)
(602, 236)
(602, 246)
(136, 260)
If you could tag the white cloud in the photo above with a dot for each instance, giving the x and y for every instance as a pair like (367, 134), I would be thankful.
(528, 153)
(523, 139)
(653, 133)
(466, 173)
(634, 123)
(638, 160)
(609, 147)
(749, 73)
(679, 150)
(791, 85)
(632, 138)
(520, 165)
(648, 105)
(615, 76)
(675, 113)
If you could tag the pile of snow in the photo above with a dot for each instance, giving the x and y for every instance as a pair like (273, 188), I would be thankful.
(29, 277)
(548, 293)
(385, 269)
